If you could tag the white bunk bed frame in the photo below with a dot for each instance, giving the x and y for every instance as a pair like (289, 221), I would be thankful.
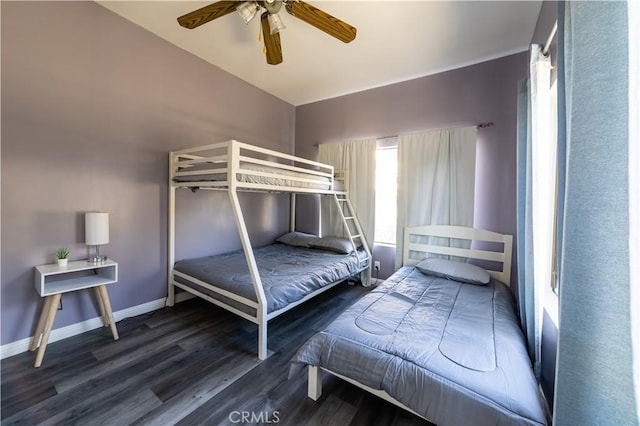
(420, 251)
(234, 166)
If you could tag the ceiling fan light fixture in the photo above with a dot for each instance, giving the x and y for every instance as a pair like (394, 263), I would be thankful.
(247, 10)
(275, 23)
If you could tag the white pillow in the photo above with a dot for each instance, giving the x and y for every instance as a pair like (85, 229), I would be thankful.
(452, 270)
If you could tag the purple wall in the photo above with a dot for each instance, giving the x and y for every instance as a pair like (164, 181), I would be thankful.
(462, 97)
(91, 105)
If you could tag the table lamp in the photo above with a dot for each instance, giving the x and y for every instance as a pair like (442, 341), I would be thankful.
(96, 226)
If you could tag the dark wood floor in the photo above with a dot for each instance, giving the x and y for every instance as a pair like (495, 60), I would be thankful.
(191, 364)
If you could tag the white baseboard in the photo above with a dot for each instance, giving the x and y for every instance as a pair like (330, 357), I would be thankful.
(20, 346)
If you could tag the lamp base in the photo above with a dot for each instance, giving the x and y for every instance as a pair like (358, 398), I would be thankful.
(97, 259)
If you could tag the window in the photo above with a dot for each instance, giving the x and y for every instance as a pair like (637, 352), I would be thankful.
(386, 191)
(553, 138)
(551, 291)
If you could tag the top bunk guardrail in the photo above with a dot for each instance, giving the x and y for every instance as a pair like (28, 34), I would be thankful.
(235, 165)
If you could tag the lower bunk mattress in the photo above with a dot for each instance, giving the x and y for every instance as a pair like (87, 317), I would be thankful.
(452, 352)
(288, 273)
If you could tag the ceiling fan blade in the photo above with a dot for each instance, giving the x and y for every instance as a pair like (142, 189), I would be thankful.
(208, 13)
(321, 20)
(271, 41)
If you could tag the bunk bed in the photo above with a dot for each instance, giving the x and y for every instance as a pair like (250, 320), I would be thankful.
(439, 338)
(260, 284)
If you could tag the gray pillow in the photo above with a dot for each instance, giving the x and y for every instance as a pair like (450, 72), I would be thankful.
(297, 239)
(452, 270)
(336, 244)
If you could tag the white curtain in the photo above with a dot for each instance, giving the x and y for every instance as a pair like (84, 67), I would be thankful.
(359, 159)
(535, 198)
(436, 179)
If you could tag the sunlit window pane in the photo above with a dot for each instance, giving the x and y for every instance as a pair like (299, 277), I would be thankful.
(386, 190)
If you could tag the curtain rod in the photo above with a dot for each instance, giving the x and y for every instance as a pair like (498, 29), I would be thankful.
(479, 126)
(547, 45)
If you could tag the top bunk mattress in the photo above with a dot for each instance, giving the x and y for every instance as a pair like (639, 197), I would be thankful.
(288, 273)
(452, 352)
(283, 179)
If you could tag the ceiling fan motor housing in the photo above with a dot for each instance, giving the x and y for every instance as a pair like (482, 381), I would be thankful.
(272, 6)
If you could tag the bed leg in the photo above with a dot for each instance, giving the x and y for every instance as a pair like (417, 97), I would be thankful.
(314, 383)
(171, 295)
(262, 341)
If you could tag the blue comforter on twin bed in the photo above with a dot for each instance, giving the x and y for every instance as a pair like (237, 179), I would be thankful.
(288, 273)
(450, 351)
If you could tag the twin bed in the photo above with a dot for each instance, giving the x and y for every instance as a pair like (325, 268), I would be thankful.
(439, 338)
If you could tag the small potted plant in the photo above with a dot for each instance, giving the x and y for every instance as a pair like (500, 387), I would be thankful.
(63, 256)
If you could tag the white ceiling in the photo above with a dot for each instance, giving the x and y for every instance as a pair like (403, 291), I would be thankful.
(396, 41)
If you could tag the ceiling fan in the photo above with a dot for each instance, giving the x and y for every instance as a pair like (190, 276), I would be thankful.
(270, 20)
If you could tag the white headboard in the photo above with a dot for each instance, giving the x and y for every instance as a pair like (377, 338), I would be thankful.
(462, 233)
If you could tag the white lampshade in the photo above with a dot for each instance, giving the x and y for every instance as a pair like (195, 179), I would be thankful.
(96, 227)
(275, 23)
(247, 10)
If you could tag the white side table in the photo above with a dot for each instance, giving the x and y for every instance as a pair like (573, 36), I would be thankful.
(52, 281)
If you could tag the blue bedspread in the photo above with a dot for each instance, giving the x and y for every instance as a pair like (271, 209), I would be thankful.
(452, 352)
(288, 273)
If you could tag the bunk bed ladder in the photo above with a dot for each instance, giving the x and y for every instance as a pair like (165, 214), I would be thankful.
(343, 203)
